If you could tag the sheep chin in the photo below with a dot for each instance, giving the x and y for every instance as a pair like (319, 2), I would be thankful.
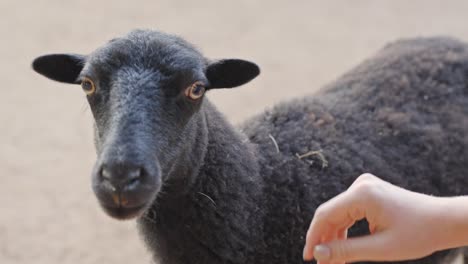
(122, 213)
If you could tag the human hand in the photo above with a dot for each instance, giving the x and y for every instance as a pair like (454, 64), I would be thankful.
(403, 224)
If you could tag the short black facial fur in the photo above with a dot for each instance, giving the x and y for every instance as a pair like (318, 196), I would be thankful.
(142, 114)
(204, 192)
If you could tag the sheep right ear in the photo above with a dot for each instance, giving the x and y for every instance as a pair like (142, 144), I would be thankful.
(60, 67)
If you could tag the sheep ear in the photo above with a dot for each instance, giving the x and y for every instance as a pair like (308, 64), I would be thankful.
(230, 73)
(60, 67)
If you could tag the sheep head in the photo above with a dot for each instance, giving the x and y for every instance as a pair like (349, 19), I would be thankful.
(145, 91)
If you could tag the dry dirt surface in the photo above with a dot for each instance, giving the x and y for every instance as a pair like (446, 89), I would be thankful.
(48, 212)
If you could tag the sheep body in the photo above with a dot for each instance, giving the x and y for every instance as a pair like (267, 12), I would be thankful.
(207, 192)
(402, 115)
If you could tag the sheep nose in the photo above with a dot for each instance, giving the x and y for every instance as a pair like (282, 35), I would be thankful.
(121, 177)
(126, 187)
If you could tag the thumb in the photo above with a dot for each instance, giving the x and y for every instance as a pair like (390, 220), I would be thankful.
(366, 248)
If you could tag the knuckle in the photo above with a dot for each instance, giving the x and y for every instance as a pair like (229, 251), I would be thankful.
(366, 188)
(320, 212)
(363, 178)
(320, 215)
(366, 177)
(308, 235)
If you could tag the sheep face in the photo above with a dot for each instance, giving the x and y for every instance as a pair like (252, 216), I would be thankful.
(145, 91)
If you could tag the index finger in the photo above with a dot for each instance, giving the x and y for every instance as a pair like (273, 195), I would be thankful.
(338, 213)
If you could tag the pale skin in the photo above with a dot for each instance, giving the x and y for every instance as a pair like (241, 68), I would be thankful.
(404, 225)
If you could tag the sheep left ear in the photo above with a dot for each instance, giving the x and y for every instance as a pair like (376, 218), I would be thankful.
(230, 73)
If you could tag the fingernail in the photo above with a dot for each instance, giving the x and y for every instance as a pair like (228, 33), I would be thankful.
(322, 252)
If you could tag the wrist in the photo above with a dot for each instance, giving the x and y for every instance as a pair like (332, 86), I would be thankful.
(451, 222)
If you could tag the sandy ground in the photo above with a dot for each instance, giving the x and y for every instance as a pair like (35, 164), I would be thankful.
(48, 212)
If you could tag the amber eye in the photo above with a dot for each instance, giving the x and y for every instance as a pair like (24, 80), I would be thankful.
(195, 91)
(88, 86)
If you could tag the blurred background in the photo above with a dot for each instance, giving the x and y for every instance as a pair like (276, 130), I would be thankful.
(48, 213)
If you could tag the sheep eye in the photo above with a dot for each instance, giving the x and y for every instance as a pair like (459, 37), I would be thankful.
(195, 91)
(88, 86)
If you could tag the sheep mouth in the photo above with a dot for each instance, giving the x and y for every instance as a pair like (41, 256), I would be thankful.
(124, 213)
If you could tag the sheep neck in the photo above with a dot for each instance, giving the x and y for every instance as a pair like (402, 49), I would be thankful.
(221, 203)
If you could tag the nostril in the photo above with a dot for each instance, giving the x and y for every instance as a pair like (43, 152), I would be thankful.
(133, 182)
(133, 178)
(106, 180)
(105, 174)
(134, 174)
(121, 176)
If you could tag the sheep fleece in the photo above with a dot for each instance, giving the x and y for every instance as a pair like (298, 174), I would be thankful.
(402, 115)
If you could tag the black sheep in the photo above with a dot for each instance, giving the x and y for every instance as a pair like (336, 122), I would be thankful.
(205, 192)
